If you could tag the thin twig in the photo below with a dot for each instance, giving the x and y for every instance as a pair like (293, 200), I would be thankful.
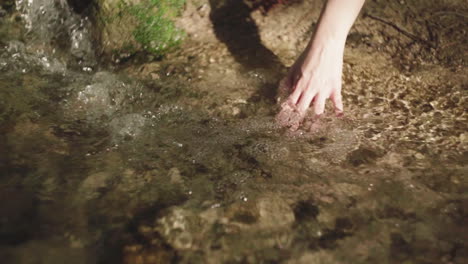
(402, 31)
(444, 13)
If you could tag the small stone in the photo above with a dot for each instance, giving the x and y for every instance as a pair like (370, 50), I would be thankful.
(93, 183)
(235, 111)
(76, 243)
(155, 76)
(419, 156)
(464, 138)
(177, 228)
(133, 248)
(348, 189)
(274, 212)
(174, 176)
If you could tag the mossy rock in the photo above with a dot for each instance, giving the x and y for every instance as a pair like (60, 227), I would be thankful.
(130, 26)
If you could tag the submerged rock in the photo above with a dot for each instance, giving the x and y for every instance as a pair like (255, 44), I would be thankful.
(267, 212)
(91, 186)
(179, 228)
(174, 176)
(274, 212)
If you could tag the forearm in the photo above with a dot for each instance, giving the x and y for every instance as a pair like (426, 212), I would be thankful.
(336, 20)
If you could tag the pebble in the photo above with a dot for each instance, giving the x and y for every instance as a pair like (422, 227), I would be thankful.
(175, 176)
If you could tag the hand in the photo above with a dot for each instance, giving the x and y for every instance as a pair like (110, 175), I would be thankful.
(314, 77)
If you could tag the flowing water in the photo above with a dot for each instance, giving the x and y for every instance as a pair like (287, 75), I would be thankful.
(99, 167)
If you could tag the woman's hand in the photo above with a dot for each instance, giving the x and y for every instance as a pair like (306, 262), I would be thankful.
(316, 75)
(314, 78)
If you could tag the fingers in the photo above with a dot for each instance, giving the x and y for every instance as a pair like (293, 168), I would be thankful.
(289, 116)
(319, 105)
(298, 90)
(337, 100)
(307, 91)
(282, 118)
(306, 99)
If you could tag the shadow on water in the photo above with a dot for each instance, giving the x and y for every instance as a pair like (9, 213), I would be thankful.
(234, 27)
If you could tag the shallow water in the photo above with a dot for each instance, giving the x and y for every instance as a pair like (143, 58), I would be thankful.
(99, 167)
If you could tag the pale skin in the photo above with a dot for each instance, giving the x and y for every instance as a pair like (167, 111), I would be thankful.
(316, 74)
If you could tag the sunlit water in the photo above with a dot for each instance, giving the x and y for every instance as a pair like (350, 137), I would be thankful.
(96, 167)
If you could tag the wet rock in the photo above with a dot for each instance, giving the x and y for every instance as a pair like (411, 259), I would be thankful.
(178, 227)
(175, 176)
(131, 181)
(130, 26)
(116, 31)
(267, 212)
(212, 215)
(274, 212)
(362, 156)
(243, 213)
(233, 108)
(392, 159)
(419, 156)
(90, 188)
(327, 218)
(464, 138)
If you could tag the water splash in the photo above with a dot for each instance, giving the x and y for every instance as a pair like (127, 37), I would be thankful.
(52, 24)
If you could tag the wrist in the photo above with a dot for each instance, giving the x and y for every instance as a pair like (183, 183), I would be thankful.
(322, 50)
(327, 37)
(326, 42)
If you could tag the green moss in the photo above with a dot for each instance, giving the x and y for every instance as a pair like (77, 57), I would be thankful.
(156, 31)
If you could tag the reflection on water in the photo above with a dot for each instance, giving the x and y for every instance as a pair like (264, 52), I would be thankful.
(96, 167)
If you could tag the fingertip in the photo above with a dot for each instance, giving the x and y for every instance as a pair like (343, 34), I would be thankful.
(319, 108)
(319, 105)
(338, 103)
(283, 115)
(295, 120)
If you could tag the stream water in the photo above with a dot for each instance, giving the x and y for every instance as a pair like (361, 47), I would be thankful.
(99, 167)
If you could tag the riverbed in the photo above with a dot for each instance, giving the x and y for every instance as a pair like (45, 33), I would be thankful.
(180, 160)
